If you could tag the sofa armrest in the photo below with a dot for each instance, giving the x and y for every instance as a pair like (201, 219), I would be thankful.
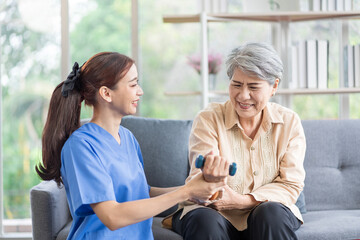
(49, 210)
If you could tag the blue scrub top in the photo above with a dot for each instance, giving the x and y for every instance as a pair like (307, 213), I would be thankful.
(95, 168)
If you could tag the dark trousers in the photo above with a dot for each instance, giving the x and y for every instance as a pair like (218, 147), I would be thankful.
(268, 221)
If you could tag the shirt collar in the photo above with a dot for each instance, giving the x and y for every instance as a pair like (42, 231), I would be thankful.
(231, 117)
(271, 115)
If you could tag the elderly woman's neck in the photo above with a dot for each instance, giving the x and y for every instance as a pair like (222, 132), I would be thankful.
(251, 125)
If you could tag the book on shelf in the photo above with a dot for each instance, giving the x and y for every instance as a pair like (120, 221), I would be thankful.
(324, 5)
(269, 6)
(350, 66)
(310, 64)
(302, 64)
(339, 5)
(351, 60)
(348, 5)
(213, 6)
(357, 65)
(323, 63)
(294, 81)
(315, 5)
(331, 5)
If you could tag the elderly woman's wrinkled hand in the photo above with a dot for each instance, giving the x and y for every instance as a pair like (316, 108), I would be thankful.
(229, 200)
(233, 200)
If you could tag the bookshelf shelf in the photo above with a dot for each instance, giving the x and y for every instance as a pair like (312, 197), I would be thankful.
(279, 92)
(318, 91)
(183, 93)
(266, 17)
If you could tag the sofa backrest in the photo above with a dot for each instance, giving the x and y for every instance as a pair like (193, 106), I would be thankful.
(332, 164)
(332, 160)
(164, 146)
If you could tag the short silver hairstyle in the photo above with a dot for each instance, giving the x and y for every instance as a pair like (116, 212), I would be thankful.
(256, 60)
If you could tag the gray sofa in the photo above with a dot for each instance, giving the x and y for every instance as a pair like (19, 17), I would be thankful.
(332, 185)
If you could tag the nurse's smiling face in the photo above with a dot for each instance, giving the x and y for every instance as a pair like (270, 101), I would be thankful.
(126, 93)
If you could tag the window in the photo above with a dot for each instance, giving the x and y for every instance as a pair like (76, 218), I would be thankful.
(30, 56)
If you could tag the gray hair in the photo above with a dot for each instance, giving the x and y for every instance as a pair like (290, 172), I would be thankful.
(256, 59)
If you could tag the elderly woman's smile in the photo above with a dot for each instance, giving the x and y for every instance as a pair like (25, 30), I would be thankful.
(245, 105)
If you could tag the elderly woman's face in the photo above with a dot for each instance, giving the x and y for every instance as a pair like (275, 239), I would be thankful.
(249, 95)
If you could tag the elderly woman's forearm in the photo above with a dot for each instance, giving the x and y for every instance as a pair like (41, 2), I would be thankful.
(249, 201)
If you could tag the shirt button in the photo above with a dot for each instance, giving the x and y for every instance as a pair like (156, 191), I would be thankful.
(256, 173)
(252, 148)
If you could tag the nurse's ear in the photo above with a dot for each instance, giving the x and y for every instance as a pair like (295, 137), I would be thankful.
(104, 93)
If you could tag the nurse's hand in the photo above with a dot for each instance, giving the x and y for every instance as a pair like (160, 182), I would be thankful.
(216, 168)
(198, 189)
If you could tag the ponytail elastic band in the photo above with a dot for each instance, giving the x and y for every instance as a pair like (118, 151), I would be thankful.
(69, 83)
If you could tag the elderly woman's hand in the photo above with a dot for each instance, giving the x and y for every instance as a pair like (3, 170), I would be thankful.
(216, 168)
(233, 200)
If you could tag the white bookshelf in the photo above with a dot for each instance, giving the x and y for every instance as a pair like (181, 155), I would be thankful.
(263, 17)
(281, 44)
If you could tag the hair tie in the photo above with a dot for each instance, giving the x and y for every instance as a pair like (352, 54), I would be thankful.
(69, 83)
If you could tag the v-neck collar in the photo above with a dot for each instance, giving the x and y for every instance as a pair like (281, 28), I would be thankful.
(108, 135)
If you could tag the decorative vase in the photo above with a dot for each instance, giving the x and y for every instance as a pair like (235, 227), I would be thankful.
(212, 81)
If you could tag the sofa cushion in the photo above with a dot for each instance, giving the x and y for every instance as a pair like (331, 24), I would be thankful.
(161, 233)
(300, 203)
(330, 225)
(332, 164)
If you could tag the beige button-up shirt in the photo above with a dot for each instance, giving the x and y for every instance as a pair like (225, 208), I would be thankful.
(269, 167)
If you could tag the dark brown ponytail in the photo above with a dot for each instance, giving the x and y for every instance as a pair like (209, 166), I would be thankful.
(62, 120)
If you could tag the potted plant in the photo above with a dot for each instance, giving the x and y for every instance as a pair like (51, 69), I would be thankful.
(214, 65)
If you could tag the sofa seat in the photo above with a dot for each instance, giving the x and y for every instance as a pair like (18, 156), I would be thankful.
(330, 224)
(161, 233)
(319, 225)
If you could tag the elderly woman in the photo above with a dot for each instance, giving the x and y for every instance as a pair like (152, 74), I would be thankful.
(266, 141)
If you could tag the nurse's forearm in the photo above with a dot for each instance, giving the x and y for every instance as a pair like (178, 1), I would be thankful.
(115, 215)
(156, 191)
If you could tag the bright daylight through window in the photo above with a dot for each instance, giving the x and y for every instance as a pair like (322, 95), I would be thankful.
(30, 56)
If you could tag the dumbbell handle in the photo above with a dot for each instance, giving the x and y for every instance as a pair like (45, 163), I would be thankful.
(200, 161)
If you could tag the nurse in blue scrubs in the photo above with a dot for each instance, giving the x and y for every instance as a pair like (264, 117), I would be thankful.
(100, 163)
